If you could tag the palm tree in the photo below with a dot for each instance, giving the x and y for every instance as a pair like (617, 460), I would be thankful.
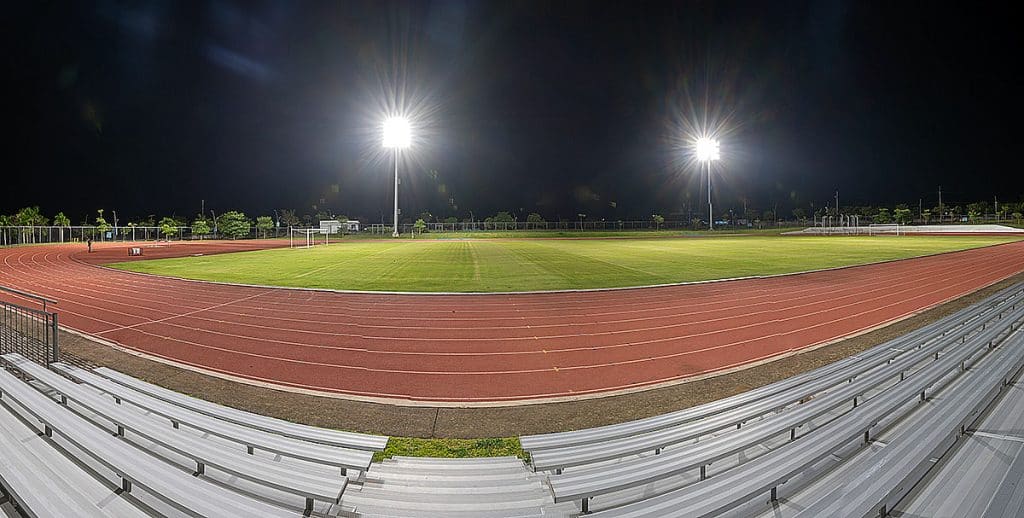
(61, 221)
(4, 221)
(30, 217)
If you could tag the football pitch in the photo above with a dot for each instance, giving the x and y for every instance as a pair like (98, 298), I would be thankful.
(499, 265)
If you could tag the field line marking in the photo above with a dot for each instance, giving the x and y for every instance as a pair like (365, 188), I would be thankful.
(322, 268)
(315, 270)
(476, 263)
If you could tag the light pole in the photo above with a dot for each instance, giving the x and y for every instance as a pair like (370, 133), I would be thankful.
(707, 151)
(398, 136)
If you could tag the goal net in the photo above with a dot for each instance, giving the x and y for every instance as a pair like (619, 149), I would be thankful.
(302, 237)
(884, 228)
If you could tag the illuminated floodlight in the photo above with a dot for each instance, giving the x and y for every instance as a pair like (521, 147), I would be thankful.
(397, 136)
(397, 133)
(706, 149)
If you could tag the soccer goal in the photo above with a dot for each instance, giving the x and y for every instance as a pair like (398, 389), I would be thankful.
(302, 237)
(884, 228)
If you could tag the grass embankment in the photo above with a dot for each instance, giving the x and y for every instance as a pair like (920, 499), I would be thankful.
(490, 265)
(452, 448)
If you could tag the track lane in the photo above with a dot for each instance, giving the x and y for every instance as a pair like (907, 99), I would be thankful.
(490, 347)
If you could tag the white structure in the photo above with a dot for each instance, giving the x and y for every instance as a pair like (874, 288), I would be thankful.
(330, 226)
(333, 226)
(706, 150)
(894, 229)
(397, 135)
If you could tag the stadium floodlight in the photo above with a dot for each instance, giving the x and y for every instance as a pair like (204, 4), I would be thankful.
(397, 135)
(706, 150)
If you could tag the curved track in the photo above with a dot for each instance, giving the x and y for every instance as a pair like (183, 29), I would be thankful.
(484, 348)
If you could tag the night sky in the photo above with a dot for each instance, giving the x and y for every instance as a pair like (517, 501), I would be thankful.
(553, 107)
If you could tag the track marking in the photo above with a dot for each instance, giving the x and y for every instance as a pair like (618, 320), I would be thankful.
(165, 319)
(67, 275)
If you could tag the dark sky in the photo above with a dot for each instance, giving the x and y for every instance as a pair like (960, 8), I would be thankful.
(557, 107)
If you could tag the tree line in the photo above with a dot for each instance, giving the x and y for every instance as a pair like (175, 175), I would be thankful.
(231, 224)
(236, 224)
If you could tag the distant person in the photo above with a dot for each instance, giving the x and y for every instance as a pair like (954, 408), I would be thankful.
(89, 242)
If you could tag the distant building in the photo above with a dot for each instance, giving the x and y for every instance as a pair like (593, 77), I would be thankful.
(329, 226)
(333, 226)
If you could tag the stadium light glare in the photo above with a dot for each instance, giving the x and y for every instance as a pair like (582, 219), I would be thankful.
(397, 136)
(397, 133)
(706, 150)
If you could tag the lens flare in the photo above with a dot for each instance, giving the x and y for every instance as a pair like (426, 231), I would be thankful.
(706, 149)
(397, 132)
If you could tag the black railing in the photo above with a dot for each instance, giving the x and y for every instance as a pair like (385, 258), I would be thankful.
(28, 331)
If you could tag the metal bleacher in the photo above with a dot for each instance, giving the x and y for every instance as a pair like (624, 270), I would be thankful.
(184, 461)
(927, 424)
(760, 440)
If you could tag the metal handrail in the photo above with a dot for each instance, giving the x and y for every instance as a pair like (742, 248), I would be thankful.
(43, 300)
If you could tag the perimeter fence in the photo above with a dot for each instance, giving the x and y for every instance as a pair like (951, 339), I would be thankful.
(573, 226)
(23, 235)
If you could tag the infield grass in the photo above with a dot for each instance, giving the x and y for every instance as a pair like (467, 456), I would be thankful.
(489, 265)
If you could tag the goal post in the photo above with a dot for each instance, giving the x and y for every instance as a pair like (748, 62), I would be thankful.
(302, 237)
(884, 228)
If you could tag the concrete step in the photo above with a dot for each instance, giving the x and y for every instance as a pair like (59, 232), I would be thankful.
(384, 512)
(444, 502)
(442, 462)
(469, 478)
(489, 488)
(395, 469)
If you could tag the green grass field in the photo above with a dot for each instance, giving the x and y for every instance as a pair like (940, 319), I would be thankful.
(487, 265)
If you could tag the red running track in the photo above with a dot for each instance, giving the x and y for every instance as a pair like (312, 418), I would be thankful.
(484, 348)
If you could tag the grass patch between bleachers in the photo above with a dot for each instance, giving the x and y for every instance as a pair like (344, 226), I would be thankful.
(452, 448)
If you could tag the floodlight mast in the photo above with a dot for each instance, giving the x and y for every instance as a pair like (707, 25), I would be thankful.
(707, 151)
(396, 135)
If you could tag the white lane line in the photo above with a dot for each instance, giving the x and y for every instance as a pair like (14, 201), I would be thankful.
(121, 328)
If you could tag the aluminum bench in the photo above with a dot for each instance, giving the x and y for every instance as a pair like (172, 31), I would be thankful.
(358, 441)
(343, 458)
(906, 459)
(43, 482)
(778, 394)
(719, 494)
(135, 468)
(311, 484)
(559, 458)
(586, 483)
